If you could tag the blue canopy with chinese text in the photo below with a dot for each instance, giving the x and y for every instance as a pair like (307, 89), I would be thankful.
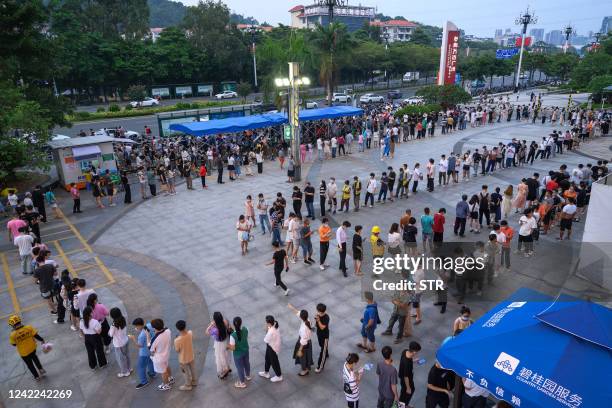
(239, 124)
(534, 352)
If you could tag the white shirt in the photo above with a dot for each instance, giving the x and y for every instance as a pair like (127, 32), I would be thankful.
(13, 200)
(569, 209)
(119, 336)
(443, 166)
(294, 229)
(371, 187)
(394, 240)
(24, 242)
(334, 142)
(501, 237)
(576, 175)
(94, 327)
(273, 339)
(332, 190)
(305, 332)
(527, 225)
(341, 236)
(510, 152)
(160, 348)
(319, 144)
(475, 390)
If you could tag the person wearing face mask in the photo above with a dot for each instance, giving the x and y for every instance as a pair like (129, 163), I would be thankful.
(463, 321)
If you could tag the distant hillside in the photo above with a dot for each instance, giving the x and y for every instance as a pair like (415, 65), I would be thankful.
(166, 13)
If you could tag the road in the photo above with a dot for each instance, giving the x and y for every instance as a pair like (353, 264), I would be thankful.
(138, 123)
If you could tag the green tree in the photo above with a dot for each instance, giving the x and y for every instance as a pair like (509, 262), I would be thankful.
(368, 56)
(329, 41)
(419, 36)
(560, 65)
(592, 65)
(597, 85)
(136, 93)
(243, 90)
(445, 95)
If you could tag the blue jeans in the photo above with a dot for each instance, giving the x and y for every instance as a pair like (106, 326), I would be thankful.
(310, 208)
(276, 236)
(243, 366)
(144, 366)
(264, 221)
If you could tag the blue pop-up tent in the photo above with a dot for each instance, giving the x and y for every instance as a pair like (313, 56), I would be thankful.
(534, 352)
(242, 123)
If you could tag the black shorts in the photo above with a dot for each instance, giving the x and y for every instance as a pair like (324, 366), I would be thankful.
(357, 256)
(474, 215)
(75, 312)
(466, 168)
(531, 197)
(566, 224)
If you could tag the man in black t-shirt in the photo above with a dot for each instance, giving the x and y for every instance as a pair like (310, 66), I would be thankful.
(322, 319)
(45, 273)
(309, 193)
(533, 184)
(280, 261)
(440, 383)
(297, 201)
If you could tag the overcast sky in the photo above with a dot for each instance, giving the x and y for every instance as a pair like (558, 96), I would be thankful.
(477, 17)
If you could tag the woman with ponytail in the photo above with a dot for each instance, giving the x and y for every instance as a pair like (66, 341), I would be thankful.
(273, 346)
(239, 345)
(302, 353)
(91, 329)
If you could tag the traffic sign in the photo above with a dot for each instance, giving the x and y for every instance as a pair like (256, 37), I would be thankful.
(287, 132)
(506, 53)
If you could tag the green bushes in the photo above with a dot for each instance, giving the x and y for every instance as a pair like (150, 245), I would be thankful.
(114, 108)
(100, 109)
(418, 109)
(129, 112)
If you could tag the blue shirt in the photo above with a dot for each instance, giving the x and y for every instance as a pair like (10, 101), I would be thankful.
(143, 349)
(462, 209)
(427, 224)
(370, 313)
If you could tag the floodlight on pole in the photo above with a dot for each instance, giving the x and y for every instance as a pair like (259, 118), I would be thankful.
(568, 31)
(525, 19)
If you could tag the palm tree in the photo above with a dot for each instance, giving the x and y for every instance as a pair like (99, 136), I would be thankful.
(329, 40)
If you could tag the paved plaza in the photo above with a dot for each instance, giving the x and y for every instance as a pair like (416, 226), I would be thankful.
(178, 257)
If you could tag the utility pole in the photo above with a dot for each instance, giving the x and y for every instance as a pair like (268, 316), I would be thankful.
(525, 19)
(568, 30)
(253, 30)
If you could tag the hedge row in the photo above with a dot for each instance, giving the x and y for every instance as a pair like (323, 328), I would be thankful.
(418, 109)
(114, 111)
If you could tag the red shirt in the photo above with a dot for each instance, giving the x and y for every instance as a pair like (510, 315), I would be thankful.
(438, 224)
(552, 185)
(202, 171)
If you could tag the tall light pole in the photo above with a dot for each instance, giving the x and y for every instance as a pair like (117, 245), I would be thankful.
(253, 31)
(568, 30)
(525, 19)
(293, 84)
(386, 37)
(331, 5)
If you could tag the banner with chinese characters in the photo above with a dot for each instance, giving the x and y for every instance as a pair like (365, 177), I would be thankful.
(452, 51)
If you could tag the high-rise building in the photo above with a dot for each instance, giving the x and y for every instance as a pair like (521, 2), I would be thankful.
(555, 37)
(606, 25)
(354, 17)
(498, 32)
(537, 34)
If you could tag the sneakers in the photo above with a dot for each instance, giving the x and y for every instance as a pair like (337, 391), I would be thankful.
(142, 385)
(317, 370)
(239, 384)
(321, 267)
(264, 374)
(276, 378)
(42, 372)
(287, 292)
(248, 378)
(73, 327)
(164, 387)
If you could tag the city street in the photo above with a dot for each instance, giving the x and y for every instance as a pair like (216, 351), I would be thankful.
(178, 257)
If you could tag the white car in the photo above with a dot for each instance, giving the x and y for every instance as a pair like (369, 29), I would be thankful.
(311, 105)
(226, 95)
(371, 98)
(145, 102)
(341, 97)
(415, 100)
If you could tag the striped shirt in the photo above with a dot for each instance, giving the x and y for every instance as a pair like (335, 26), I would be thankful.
(349, 378)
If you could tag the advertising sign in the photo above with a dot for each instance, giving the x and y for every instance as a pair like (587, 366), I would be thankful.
(506, 53)
(183, 90)
(517, 42)
(205, 89)
(160, 92)
(449, 54)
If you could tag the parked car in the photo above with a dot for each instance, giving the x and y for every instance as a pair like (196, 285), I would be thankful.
(341, 97)
(414, 100)
(226, 95)
(411, 76)
(311, 105)
(145, 102)
(371, 98)
(394, 94)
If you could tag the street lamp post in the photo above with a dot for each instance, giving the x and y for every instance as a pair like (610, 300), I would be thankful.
(568, 30)
(525, 19)
(386, 37)
(253, 31)
(331, 5)
(292, 84)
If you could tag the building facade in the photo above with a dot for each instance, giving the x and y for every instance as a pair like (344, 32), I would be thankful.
(555, 37)
(354, 17)
(606, 25)
(398, 30)
(537, 34)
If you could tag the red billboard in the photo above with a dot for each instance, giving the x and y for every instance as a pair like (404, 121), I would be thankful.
(517, 42)
(452, 52)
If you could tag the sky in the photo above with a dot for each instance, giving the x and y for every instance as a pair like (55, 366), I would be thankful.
(476, 17)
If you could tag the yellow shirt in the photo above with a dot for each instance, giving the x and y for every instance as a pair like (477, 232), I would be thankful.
(346, 192)
(378, 247)
(23, 338)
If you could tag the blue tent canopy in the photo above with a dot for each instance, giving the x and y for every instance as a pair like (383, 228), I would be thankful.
(523, 352)
(239, 124)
